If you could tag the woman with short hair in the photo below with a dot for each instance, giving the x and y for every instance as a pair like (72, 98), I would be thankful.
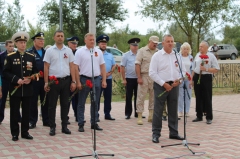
(185, 53)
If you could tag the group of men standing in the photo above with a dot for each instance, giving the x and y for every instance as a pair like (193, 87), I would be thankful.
(147, 70)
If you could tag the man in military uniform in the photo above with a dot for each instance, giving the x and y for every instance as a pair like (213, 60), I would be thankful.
(18, 66)
(145, 83)
(9, 45)
(110, 66)
(72, 44)
(129, 77)
(38, 86)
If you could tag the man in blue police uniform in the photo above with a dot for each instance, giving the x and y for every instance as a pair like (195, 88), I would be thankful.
(72, 44)
(129, 77)
(110, 66)
(9, 45)
(38, 86)
(18, 66)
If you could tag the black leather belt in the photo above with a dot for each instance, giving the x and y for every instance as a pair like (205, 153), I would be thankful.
(204, 74)
(169, 82)
(63, 78)
(89, 77)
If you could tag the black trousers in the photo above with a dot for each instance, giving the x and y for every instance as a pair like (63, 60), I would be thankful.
(131, 89)
(38, 87)
(61, 89)
(15, 103)
(5, 90)
(203, 93)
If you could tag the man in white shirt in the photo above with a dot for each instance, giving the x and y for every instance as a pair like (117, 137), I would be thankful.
(83, 63)
(58, 62)
(165, 70)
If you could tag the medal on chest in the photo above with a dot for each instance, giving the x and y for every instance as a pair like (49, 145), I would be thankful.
(29, 65)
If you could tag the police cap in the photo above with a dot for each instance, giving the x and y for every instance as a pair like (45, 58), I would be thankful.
(39, 35)
(102, 38)
(73, 39)
(134, 41)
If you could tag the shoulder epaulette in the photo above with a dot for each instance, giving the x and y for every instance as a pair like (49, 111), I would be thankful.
(29, 53)
(11, 53)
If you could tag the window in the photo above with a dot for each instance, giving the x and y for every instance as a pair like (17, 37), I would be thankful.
(114, 52)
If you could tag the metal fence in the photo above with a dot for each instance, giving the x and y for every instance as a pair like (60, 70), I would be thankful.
(227, 77)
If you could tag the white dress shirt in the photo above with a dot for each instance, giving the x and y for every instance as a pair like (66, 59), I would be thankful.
(212, 63)
(83, 60)
(164, 67)
(59, 61)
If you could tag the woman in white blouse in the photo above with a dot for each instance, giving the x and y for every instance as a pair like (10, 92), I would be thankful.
(185, 52)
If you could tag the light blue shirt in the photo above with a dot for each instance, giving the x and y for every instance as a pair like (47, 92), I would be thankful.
(109, 62)
(59, 61)
(39, 52)
(128, 61)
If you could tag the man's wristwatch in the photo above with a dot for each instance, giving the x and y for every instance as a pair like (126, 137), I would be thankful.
(74, 82)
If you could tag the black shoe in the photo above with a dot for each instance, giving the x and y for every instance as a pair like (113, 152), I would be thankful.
(164, 118)
(209, 121)
(155, 140)
(28, 136)
(179, 118)
(81, 128)
(68, 123)
(97, 127)
(14, 138)
(66, 131)
(32, 126)
(46, 124)
(52, 131)
(109, 118)
(127, 117)
(176, 137)
(197, 120)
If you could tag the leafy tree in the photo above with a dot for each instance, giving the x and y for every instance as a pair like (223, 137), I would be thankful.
(231, 35)
(192, 16)
(75, 15)
(48, 33)
(11, 19)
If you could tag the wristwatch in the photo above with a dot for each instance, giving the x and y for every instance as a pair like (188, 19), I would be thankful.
(74, 82)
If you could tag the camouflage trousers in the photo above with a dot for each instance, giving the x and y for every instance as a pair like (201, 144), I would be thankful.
(146, 87)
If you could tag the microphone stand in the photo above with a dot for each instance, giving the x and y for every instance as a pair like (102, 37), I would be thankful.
(184, 142)
(93, 103)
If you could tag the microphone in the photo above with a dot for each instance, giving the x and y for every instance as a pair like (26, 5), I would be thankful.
(91, 51)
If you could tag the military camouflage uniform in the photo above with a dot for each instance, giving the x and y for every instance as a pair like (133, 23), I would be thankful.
(143, 59)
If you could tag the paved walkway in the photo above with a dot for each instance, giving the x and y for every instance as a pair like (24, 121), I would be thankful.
(126, 139)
